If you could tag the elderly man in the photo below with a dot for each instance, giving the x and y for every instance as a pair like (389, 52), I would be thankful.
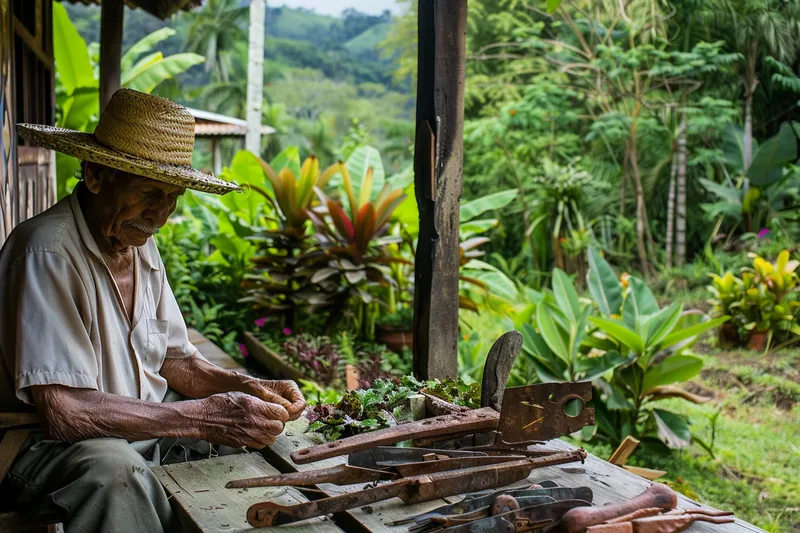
(93, 338)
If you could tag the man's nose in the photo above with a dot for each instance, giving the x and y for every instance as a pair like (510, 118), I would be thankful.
(161, 209)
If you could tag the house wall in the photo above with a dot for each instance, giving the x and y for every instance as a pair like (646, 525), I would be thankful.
(27, 86)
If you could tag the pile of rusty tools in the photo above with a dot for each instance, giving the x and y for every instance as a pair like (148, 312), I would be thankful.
(551, 509)
(460, 450)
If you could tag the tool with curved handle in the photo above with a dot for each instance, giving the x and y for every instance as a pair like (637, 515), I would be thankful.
(657, 495)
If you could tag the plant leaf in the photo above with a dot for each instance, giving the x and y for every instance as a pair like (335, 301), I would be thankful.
(555, 338)
(691, 331)
(673, 430)
(673, 369)
(620, 332)
(603, 284)
(566, 295)
(489, 202)
(772, 156)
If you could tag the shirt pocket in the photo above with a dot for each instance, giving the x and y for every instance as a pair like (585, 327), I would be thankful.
(156, 351)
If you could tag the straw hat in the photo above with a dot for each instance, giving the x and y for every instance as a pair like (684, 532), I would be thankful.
(138, 133)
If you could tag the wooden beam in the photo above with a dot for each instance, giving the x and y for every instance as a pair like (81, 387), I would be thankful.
(438, 162)
(111, 18)
(33, 43)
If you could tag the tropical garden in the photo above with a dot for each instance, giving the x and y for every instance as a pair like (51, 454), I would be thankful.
(631, 205)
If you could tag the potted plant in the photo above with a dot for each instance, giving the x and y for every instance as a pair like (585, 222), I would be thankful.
(762, 302)
(395, 330)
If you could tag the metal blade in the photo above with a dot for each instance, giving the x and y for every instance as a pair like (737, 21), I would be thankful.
(537, 412)
(455, 463)
(497, 368)
(473, 502)
(387, 456)
(525, 519)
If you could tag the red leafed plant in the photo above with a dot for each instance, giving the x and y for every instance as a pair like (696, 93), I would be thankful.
(354, 240)
(353, 233)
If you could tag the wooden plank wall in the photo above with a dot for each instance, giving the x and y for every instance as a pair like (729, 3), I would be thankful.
(27, 174)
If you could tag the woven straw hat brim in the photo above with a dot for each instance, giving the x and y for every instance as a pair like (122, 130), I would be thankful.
(85, 147)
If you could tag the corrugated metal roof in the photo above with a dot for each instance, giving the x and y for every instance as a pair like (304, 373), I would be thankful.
(208, 124)
(159, 8)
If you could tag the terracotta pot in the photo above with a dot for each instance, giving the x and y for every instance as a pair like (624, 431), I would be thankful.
(758, 341)
(728, 336)
(395, 338)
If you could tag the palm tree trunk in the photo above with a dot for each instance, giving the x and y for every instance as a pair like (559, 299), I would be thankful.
(680, 214)
(641, 210)
(255, 76)
(671, 210)
(750, 84)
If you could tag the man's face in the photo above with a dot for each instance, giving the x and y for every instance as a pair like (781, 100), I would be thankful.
(131, 208)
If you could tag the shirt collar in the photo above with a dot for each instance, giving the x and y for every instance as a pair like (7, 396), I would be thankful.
(145, 252)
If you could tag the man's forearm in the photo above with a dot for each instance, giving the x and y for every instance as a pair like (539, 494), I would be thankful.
(76, 414)
(194, 377)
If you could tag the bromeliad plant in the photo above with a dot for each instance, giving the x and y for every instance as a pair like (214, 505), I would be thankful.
(354, 242)
(654, 343)
(765, 300)
(287, 258)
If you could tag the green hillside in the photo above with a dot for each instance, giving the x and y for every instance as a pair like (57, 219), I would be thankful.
(298, 24)
(365, 45)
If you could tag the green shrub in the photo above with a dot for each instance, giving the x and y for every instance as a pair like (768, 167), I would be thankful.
(765, 298)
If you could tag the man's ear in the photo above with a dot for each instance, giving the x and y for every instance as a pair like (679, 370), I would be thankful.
(92, 177)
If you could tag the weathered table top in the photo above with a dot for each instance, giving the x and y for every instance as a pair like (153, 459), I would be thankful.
(220, 509)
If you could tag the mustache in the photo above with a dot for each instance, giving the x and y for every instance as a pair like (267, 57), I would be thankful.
(142, 226)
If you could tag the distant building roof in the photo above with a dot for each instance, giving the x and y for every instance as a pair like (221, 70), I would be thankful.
(207, 124)
(159, 8)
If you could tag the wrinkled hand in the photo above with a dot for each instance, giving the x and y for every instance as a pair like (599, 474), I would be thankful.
(238, 419)
(284, 393)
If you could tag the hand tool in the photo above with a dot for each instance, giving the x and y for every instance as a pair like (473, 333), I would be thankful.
(476, 501)
(411, 490)
(657, 495)
(339, 474)
(385, 456)
(502, 504)
(651, 521)
(521, 520)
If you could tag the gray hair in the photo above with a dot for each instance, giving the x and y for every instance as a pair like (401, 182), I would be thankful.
(109, 174)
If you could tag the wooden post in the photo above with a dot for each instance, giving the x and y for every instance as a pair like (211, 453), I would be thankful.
(110, 49)
(216, 155)
(255, 76)
(438, 162)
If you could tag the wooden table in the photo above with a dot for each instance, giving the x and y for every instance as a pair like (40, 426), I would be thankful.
(205, 510)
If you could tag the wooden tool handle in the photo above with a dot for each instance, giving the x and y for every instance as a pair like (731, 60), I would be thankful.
(474, 420)
(339, 474)
(657, 495)
(272, 514)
